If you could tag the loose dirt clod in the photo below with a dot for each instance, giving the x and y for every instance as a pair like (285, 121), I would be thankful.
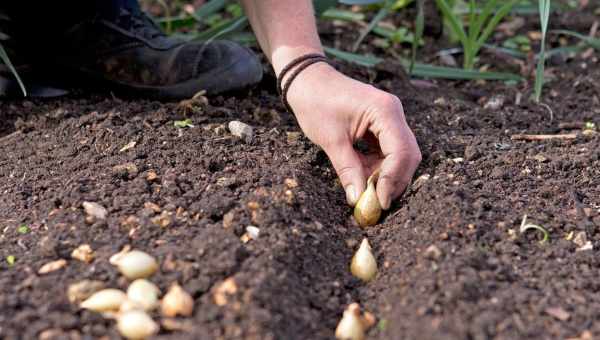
(95, 210)
(83, 253)
(52, 266)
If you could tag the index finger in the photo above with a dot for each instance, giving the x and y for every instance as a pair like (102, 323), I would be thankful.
(401, 156)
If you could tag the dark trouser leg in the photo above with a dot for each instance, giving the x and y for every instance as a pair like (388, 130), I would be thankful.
(31, 19)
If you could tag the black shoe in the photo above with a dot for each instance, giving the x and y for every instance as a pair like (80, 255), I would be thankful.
(130, 55)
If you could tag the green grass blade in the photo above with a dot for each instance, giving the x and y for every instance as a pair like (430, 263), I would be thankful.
(454, 21)
(4, 57)
(493, 23)
(321, 6)
(419, 27)
(487, 10)
(383, 12)
(343, 15)
(442, 72)
(363, 60)
(590, 41)
(424, 70)
(539, 72)
(472, 33)
(360, 2)
(209, 8)
(222, 29)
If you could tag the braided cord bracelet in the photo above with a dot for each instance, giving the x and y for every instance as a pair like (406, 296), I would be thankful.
(297, 65)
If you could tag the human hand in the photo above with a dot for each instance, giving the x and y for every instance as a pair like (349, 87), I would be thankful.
(334, 111)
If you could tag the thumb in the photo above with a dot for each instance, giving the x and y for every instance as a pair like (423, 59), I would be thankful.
(349, 169)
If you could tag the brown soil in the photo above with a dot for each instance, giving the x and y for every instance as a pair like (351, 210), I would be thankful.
(293, 282)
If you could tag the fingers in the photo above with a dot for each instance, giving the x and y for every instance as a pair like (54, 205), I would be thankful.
(400, 150)
(349, 168)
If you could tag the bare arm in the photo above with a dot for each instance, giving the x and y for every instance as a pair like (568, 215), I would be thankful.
(285, 29)
(334, 110)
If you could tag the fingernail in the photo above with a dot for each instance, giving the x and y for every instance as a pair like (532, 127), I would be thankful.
(351, 195)
(385, 203)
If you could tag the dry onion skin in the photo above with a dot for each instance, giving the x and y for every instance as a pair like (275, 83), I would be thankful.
(177, 302)
(135, 264)
(136, 324)
(364, 264)
(368, 209)
(144, 293)
(106, 300)
(351, 325)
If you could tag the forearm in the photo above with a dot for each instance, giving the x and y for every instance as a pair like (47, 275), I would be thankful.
(285, 29)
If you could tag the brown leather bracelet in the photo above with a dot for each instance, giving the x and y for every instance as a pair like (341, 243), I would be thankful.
(298, 65)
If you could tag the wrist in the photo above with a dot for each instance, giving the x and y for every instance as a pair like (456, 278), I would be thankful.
(281, 57)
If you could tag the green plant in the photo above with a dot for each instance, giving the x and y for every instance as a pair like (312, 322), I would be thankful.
(11, 259)
(419, 27)
(182, 124)
(481, 24)
(526, 226)
(6, 60)
(23, 229)
(539, 72)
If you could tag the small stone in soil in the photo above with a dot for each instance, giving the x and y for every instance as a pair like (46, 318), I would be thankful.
(291, 183)
(580, 239)
(151, 176)
(127, 170)
(128, 146)
(587, 246)
(293, 136)
(253, 232)
(152, 206)
(95, 210)
(223, 290)
(420, 181)
(558, 313)
(228, 219)
(495, 103)
(163, 220)
(83, 253)
(241, 130)
(433, 252)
